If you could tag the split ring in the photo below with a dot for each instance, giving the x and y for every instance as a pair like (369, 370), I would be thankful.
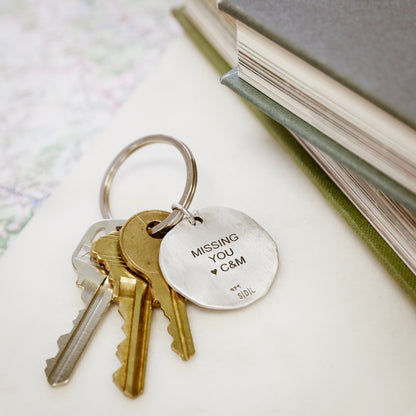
(191, 178)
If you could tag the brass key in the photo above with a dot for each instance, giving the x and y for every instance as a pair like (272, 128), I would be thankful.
(135, 306)
(141, 253)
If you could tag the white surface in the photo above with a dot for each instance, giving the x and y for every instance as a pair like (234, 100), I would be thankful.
(334, 336)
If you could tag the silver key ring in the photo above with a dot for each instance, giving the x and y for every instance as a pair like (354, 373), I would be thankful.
(191, 178)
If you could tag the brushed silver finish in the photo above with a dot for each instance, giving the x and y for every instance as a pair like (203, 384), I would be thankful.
(191, 177)
(227, 261)
(96, 295)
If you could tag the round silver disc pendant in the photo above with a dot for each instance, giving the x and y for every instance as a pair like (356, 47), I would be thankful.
(224, 261)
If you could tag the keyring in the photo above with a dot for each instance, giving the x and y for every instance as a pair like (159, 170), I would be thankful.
(191, 178)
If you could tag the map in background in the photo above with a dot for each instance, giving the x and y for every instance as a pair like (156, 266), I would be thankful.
(65, 68)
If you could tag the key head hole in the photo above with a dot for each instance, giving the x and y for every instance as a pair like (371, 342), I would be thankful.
(149, 227)
(162, 233)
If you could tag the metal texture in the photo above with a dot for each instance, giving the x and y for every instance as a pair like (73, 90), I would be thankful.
(141, 252)
(227, 261)
(135, 306)
(190, 186)
(96, 295)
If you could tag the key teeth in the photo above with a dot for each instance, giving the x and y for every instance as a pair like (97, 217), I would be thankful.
(49, 362)
(184, 347)
(119, 376)
(84, 296)
(61, 342)
(123, 348)
(72, 344)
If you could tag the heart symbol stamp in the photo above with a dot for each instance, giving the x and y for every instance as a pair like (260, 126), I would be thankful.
(214, 271)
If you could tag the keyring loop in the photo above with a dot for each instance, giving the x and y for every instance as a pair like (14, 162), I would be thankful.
(191, 178)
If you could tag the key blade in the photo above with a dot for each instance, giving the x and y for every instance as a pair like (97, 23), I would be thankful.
(174, 308)
(135, 306)
(71, 346)
(179, 328)
(136, 310)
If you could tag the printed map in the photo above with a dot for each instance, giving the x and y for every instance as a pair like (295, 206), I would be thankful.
(65, 68)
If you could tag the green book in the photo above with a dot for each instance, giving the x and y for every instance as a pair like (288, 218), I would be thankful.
(387, 257)
(345, 68)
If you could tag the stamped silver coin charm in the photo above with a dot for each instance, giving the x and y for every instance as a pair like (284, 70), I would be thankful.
(223, 260)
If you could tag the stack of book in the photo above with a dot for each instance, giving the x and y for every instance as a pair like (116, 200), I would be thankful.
(340, 76)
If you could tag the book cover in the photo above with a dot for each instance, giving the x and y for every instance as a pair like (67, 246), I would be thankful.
(367, 46)
(309, 86)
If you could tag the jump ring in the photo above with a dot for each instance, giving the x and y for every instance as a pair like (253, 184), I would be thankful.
(185, 212)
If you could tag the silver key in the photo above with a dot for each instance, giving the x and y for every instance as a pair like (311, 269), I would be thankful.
(96, 295)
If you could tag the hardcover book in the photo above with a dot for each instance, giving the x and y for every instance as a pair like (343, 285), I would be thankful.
(344, 67)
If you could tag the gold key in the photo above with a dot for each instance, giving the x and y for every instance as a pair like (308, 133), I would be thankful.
(141, 253)
(135, 306)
